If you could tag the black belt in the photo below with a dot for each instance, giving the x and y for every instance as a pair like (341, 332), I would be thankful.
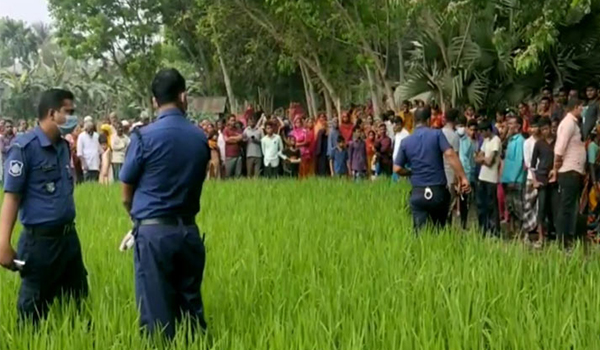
(173, 221)
(51, 231)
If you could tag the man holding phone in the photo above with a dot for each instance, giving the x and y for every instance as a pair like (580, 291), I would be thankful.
(38, 184)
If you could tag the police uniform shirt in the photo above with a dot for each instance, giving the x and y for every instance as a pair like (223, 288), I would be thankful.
(424, 151)
(167, 167)
(40, 172)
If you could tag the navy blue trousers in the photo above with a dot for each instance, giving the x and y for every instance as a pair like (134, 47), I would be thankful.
(433, 210)
(169, 263)
(53, 269)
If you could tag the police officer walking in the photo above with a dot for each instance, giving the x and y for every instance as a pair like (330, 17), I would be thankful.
(162, 177)
(424, 151)
(38, 184)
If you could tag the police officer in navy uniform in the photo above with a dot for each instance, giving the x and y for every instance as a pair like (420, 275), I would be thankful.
(38, 184)
(162, 177)
(424, 152)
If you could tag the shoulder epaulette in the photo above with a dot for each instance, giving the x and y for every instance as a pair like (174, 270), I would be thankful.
(23, 140)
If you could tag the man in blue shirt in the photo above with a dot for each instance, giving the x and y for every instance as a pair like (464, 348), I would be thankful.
(467, 132)
(38, 184)
(162, 177)
(332, 139)
(339, 159)
(425, 151)
(513, 174)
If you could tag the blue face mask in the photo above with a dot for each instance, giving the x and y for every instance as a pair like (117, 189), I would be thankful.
(69, 125)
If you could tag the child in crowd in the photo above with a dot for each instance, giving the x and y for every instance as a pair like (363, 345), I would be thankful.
(106, 173)
(214, 167)
(357, 155)
(292, 159)
(339, 159)
(548, 196)
(370, 144)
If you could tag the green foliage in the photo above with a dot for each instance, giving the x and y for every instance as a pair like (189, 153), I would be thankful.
(483, 52)
(126, 34)
(17, 41)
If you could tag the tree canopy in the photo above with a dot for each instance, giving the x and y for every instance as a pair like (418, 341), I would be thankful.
(326, 54)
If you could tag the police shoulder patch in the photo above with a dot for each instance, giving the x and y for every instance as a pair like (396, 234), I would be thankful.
(15, 168)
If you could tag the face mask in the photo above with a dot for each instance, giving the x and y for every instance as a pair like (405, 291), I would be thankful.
(69, 125)
(460, 131)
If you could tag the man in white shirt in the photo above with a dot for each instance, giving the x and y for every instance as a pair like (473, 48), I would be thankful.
(530, 200)
(221, 139)
(272, 150)
(487, 191)
(388, 118)
(119, 144)
(400, 134)
(89, 153)
(252, 136)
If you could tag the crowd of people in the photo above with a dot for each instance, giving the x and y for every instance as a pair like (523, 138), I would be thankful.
(536, 169)
(532, 168)
(97, 148)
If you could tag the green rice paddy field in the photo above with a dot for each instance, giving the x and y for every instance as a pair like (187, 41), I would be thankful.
(327, 265)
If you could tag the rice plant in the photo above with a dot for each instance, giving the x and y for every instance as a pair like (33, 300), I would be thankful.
(326, 265)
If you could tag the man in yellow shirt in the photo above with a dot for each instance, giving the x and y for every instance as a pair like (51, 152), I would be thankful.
(407, 116)
(108, 127)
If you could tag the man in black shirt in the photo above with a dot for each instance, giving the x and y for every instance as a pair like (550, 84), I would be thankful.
(548, 197)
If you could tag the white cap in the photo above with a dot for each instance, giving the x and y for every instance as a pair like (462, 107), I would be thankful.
(125, 123)
(88, 119)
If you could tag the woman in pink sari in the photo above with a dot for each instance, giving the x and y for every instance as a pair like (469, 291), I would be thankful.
(311, 139)
(300, 134)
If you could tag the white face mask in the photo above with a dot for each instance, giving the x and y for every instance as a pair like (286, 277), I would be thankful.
(460, 131)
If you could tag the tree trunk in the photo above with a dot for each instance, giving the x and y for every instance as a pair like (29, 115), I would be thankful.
(400, 61)
(373, 90)
(326, 83)
(387, 90)
(265, 100)
(313, 96)
(328, 106)
(227, 80)
(305, 79)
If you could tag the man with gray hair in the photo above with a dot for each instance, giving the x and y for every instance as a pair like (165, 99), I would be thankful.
(89, 152)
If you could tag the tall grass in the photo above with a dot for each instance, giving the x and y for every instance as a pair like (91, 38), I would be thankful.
(327, 265)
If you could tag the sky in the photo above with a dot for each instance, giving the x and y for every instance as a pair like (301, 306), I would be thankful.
(30, 11)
